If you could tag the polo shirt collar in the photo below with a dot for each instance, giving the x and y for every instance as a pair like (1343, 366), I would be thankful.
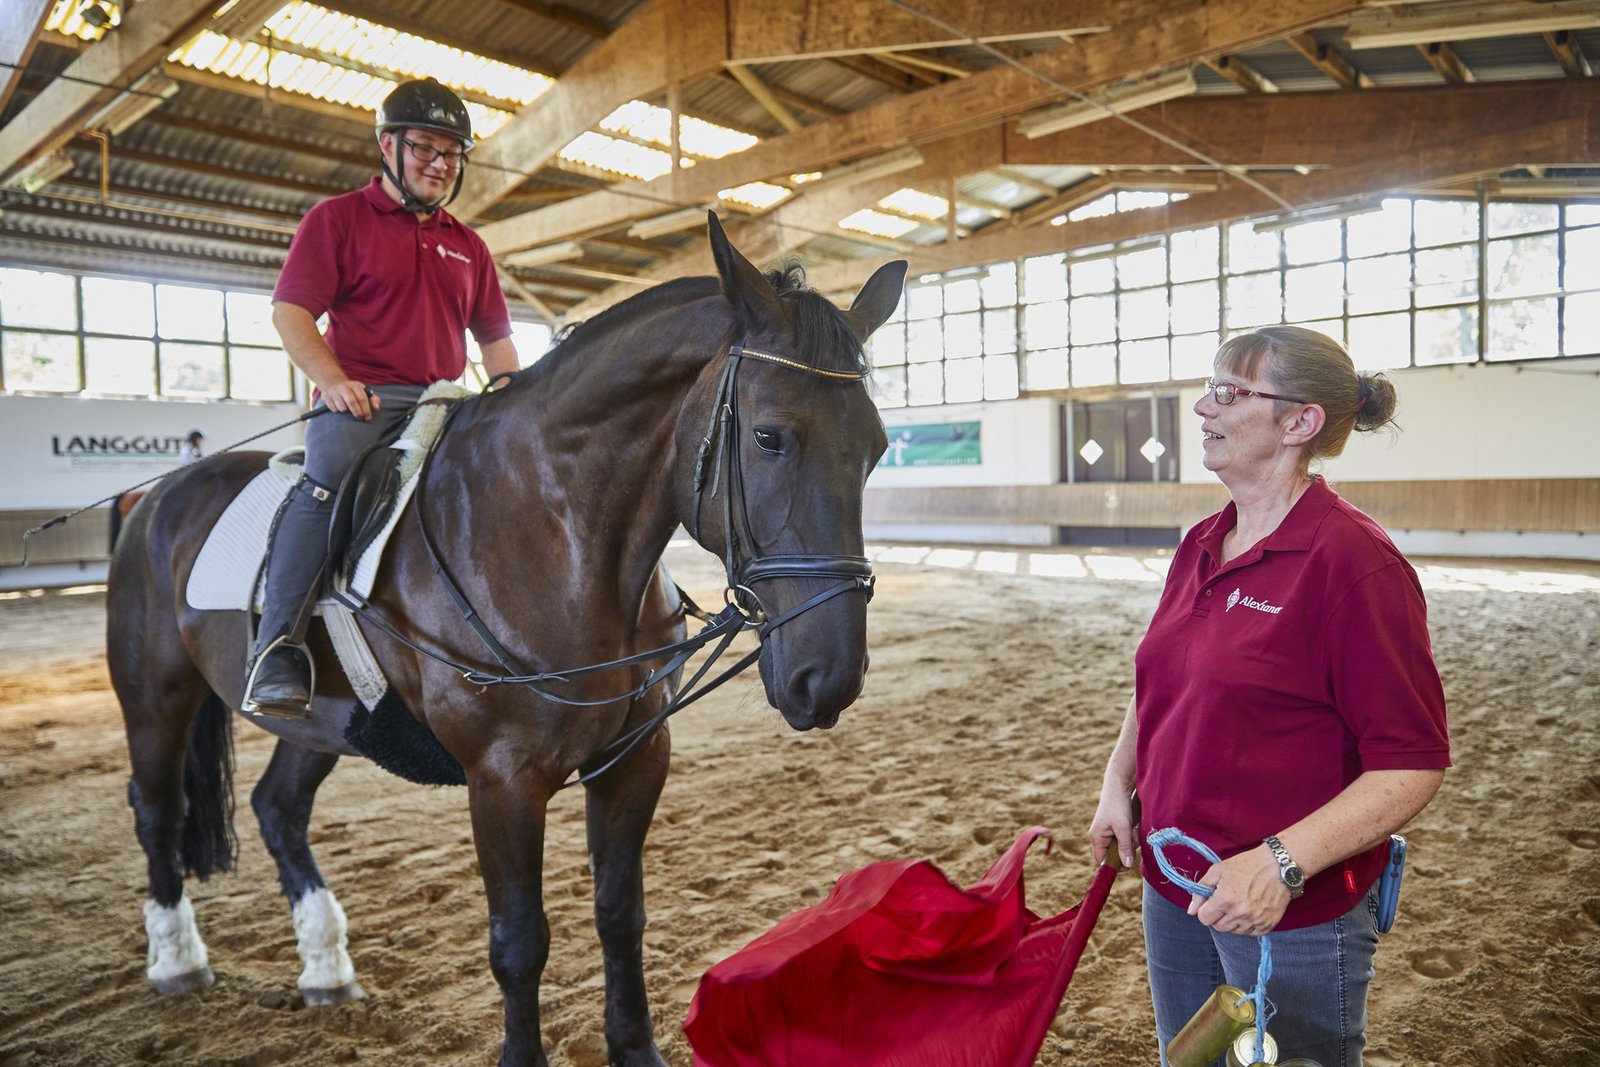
(383, 202)
(1294, 534)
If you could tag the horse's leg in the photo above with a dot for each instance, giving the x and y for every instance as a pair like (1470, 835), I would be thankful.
(508, 821)
(182, 813)
(282, 801)
(618, 807)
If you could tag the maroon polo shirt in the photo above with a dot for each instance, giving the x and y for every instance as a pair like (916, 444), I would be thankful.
(1266, 686)
(399, 293)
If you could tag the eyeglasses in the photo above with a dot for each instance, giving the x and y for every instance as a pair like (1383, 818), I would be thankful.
(426, 153)
(1226, 391)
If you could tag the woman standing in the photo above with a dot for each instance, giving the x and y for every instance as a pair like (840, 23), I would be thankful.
(1286, 710)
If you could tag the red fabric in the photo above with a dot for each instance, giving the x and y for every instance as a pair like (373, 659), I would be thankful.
(400, 293)
(899, 967)
(1267, 684)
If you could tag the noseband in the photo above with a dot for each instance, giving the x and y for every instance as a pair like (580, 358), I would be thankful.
(721, 444)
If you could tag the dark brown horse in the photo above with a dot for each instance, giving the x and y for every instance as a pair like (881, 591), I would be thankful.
(550, 501)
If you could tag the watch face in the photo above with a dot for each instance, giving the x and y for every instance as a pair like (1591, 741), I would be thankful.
(1294, 877)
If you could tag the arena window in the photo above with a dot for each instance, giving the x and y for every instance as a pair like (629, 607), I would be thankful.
(1397, 280)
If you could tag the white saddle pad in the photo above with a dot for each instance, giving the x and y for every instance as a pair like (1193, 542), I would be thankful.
(227, 574)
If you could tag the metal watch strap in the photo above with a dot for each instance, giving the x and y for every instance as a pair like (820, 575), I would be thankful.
(1294, 882)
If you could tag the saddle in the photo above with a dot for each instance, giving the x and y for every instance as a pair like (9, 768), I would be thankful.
(228, 571)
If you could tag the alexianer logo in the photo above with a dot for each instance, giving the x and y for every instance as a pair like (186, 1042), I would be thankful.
(1251, 602)
(443, 251)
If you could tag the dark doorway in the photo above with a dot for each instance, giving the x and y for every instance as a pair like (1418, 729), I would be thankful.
(1119, 430)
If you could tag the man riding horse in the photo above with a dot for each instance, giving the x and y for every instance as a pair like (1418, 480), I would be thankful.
(401, 281)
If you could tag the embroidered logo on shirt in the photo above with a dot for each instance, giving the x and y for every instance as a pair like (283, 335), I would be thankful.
(1251, 602)
(443, 251)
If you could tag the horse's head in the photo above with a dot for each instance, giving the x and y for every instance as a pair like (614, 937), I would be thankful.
(793, 436)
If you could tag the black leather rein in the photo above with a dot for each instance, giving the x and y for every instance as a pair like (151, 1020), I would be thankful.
(743, 610)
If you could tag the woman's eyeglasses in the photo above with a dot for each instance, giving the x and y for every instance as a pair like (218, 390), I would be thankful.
(1226, 391)
(427, 153)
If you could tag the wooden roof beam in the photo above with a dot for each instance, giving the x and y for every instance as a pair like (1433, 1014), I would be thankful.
(148, 33)
(1330, 61)
(791, 98)
(1442, 58)
(768, 31)
(752, 84)
(1555, 122)
(1562, 43)
(1150, 34)
(21, 22)
(563, 16)
(890, 77)
(665, 42)
(1086, 191)
(1283, 129)
(1242, 74)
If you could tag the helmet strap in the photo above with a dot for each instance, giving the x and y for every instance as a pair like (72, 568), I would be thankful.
(408, 200)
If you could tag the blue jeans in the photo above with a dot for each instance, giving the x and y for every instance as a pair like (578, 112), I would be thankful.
(1320, 976)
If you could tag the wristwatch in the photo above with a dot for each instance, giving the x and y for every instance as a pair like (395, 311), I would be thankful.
(1289, 872)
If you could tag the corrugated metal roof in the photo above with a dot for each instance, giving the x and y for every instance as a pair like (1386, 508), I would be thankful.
(223, 149)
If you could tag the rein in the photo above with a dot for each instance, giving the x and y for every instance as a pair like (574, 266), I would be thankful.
(742, 611)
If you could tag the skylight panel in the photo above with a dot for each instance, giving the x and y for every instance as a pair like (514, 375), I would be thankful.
(877, 223)
(315, 78)
(912, 202)
(761, 195)
(616, 156)
(1094, 209)
(375, 45)
(697, 137)
(65, 18)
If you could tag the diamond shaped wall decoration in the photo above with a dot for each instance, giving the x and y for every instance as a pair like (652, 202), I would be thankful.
(1152, 450)
(1091, 451)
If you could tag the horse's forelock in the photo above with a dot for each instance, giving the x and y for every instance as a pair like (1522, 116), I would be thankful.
(822, 335)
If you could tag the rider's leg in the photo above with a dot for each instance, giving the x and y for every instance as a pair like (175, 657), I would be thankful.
(281, 682)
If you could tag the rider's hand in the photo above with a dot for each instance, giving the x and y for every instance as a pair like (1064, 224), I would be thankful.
(351, 397)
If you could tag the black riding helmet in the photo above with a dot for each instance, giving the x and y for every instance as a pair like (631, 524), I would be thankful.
(424, 104)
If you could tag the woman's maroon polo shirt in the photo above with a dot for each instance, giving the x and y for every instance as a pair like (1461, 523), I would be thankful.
(1267, 686)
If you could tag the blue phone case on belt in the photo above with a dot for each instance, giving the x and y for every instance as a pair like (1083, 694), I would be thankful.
(1389, 883)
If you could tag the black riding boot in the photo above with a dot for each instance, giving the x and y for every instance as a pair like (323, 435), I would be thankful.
(280, 680)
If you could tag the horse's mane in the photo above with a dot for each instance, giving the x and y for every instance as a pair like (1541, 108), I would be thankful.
(822, 336)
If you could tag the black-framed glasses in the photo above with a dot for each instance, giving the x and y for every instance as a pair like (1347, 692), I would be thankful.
(427, 153)
(1226, 391)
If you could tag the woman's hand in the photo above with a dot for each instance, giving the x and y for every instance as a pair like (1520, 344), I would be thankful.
(1113, 824)
(1249, 899)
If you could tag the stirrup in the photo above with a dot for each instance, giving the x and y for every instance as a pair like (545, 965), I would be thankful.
(275, 711)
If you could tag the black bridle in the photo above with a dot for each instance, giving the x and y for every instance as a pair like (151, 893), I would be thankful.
(743, 610)
(849, 572)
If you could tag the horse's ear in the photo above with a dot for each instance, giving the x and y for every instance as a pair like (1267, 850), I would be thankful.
(742, 283)
(877, 299)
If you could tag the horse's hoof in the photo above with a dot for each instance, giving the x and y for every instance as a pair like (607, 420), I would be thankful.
(326, 998)
(192, 982)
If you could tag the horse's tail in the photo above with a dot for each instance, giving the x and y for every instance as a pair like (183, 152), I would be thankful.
(208, 840)
(115, 527)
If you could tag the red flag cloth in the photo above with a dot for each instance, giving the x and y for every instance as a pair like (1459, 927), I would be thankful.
(898, 967)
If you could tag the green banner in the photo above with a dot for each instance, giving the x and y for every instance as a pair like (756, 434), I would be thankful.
(943, 444)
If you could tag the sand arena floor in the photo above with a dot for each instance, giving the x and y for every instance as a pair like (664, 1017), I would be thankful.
(998, 679)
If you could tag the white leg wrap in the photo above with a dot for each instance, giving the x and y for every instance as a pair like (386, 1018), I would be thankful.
(175, 946)
(320, 927)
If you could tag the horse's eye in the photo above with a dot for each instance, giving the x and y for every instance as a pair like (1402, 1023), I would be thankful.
(769, 441)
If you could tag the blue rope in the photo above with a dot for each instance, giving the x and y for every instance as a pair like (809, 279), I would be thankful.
(1158, 841)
